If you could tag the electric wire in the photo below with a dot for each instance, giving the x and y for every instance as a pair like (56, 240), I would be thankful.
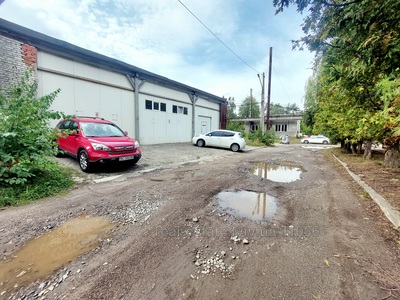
(233, 52)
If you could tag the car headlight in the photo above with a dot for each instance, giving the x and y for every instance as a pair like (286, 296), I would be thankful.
(137, 144)
(100, 147)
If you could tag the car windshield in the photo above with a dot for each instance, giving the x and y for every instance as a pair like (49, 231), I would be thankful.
(100, 129)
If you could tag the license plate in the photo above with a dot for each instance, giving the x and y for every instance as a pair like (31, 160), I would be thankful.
(123, 158)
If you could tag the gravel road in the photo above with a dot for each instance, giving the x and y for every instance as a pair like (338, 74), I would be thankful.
(171, 239)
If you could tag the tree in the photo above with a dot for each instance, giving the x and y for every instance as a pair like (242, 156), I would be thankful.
(231, 108)
(357, 46)
(249, 108)
(292, 108)
(276, 109)
(26, 140)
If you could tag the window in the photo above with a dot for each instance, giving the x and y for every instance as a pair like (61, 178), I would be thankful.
(149, 104)
(281, 127)
(179, 110)
(156, 105)
(163, 107)
(254, 127)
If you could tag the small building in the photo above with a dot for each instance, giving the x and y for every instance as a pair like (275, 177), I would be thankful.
(152, 108)
(281, 124)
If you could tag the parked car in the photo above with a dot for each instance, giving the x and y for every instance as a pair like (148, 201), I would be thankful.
(95, 140)
(221, 138)
(316, 139)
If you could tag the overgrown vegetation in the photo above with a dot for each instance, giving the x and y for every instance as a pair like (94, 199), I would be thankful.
(27, 145)
(258, 139)
(354, 95)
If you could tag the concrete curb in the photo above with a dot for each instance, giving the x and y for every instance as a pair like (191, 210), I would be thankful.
(390, 212)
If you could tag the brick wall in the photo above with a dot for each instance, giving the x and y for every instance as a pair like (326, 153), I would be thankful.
(15, 59)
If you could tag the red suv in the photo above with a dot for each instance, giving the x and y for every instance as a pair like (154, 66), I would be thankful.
(93, 140)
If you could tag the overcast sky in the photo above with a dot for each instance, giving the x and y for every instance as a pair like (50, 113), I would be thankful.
(163, 37)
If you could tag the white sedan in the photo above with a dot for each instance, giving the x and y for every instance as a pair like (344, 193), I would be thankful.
(221, 138)
(316, 139)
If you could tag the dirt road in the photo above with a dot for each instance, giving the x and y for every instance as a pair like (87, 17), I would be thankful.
(312, 237)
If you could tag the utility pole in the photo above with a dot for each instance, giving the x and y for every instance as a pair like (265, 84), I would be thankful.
(269, 86)
(262, 82)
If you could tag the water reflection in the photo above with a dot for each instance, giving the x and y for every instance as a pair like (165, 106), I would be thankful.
(252, 205)
(276, 173)
(47, 253)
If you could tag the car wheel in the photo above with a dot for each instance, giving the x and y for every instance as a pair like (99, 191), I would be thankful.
(83, 159)
(235, 147)
(201, 143)
(306, 142)
(325, 142)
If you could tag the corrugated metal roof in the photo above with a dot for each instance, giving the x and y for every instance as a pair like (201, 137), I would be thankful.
(61, 48)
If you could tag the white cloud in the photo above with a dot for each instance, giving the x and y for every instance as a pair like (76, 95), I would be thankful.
(164, 38)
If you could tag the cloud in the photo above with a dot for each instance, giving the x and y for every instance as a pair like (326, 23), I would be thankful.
(165, 38)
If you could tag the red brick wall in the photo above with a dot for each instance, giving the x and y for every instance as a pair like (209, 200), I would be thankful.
(29, 55)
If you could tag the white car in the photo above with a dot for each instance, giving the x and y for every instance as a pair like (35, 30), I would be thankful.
(316, 139)
(221, 138)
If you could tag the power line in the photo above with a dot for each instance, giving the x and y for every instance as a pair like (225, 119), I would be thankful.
(282, 84)
(233, 52)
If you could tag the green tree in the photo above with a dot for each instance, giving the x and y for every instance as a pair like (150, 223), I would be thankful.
(249, 108)
(310, 106)
(357, 46)
(231, 108)
(26, 140)
(276, 109)
(292, 108)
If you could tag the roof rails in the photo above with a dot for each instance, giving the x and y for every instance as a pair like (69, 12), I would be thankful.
(88, 117)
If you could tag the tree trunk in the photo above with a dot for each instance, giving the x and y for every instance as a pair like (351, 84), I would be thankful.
(368, 150)
(354, 149)
(359, 147)
(392, 156)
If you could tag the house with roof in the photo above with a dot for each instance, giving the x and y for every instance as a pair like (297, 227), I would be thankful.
(152, 108)
(284, 124)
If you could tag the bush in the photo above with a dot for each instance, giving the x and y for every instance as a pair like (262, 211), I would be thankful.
(53, 180)
(26, 141)
(257, 138)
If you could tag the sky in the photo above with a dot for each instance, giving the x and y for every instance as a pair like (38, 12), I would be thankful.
(218, 46)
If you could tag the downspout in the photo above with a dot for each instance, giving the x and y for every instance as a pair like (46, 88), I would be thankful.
(193, 98)
(136, 86)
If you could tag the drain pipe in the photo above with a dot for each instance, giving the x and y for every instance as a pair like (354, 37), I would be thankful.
(136, 85)
(193, 98)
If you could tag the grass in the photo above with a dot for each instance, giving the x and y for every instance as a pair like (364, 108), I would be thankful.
(57, 180)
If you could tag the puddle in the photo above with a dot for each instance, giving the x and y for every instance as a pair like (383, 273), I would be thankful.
(44, 255)
(252, 205)
(278, 173)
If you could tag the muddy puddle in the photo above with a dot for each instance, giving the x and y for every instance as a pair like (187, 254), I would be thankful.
(285, 172)
(252, 205)
(44, 255)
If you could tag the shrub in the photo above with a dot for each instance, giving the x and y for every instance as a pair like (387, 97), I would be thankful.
(26, 140)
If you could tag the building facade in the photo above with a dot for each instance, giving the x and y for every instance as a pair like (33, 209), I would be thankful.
(281, 124)
(152, 108)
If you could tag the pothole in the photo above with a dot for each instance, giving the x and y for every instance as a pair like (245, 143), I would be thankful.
(42, 256)
(285, 172)
(252, 205)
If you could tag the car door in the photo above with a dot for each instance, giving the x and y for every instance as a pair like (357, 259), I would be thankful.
(213, 139)
(227, 139)
(68, 141)
(74, 139)
(62, 141)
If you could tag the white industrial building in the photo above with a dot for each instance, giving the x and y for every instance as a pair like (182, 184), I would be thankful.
(152, 108)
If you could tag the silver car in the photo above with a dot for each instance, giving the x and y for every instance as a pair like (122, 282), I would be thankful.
(221, 138)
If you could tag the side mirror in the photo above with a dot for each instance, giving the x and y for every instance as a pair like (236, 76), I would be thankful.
(126, 133)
